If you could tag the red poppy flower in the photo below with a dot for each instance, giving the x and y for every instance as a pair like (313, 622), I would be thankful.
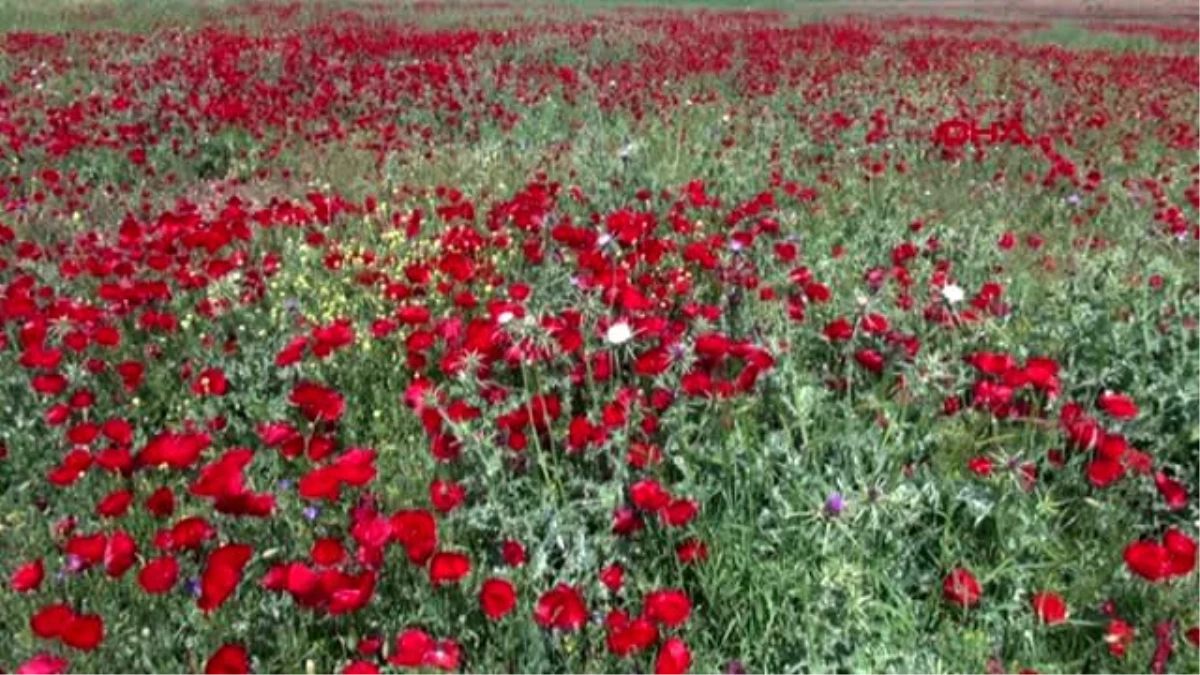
(413, 315)
(43, 664)
(652, 363)
(71, 468)
(161, 502)
(1104, 472)
(274, 434)
(327, 339)
(177, 451)
(115, 504)
(222, 574)
(581, 433)
(159, 575)
(292, 352)
(417, 649)
(1118, 637)
(210, 382)
(1173, 492)
(411, 647)
(28, 577)
(229, 659)
(355, 467)
(1148, 559)
(1050, 608)
(1175, 556)
(119, 553)
(497, 598)
(416, 531)
(131, 374)
(626, 521)
(673, 658)
(446, 495)
(649, 495)
(51, 621)
(187, 534)
(817, 292)
(513, 553)
(1117, 406)
(223, 477)
(627, 637)
(321, 483)
(980, 466)
(691, 551)
(712, 346)
(670, 607)
(90, 549)
(327, 552)
(680, 512)
(961, 588)
(51, 384)
(1182, 550)
(84, 632)
(613, 577)
(870, 359)
(838, 330)
(448, 568)
(318, 402)
(560, 607)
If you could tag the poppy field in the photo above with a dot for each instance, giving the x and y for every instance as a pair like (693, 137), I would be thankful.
(485, 337)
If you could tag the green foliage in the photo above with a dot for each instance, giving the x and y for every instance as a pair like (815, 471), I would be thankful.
(788, 586)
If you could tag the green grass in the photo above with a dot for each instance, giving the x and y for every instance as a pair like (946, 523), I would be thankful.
(788, 587)
(1073, 36)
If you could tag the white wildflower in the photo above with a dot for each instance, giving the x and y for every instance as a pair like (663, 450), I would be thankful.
(953, 293)
(618, 334)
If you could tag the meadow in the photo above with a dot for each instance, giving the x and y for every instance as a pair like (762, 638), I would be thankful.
(502, 337)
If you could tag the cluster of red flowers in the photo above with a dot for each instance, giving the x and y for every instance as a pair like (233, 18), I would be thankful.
(546, 341)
